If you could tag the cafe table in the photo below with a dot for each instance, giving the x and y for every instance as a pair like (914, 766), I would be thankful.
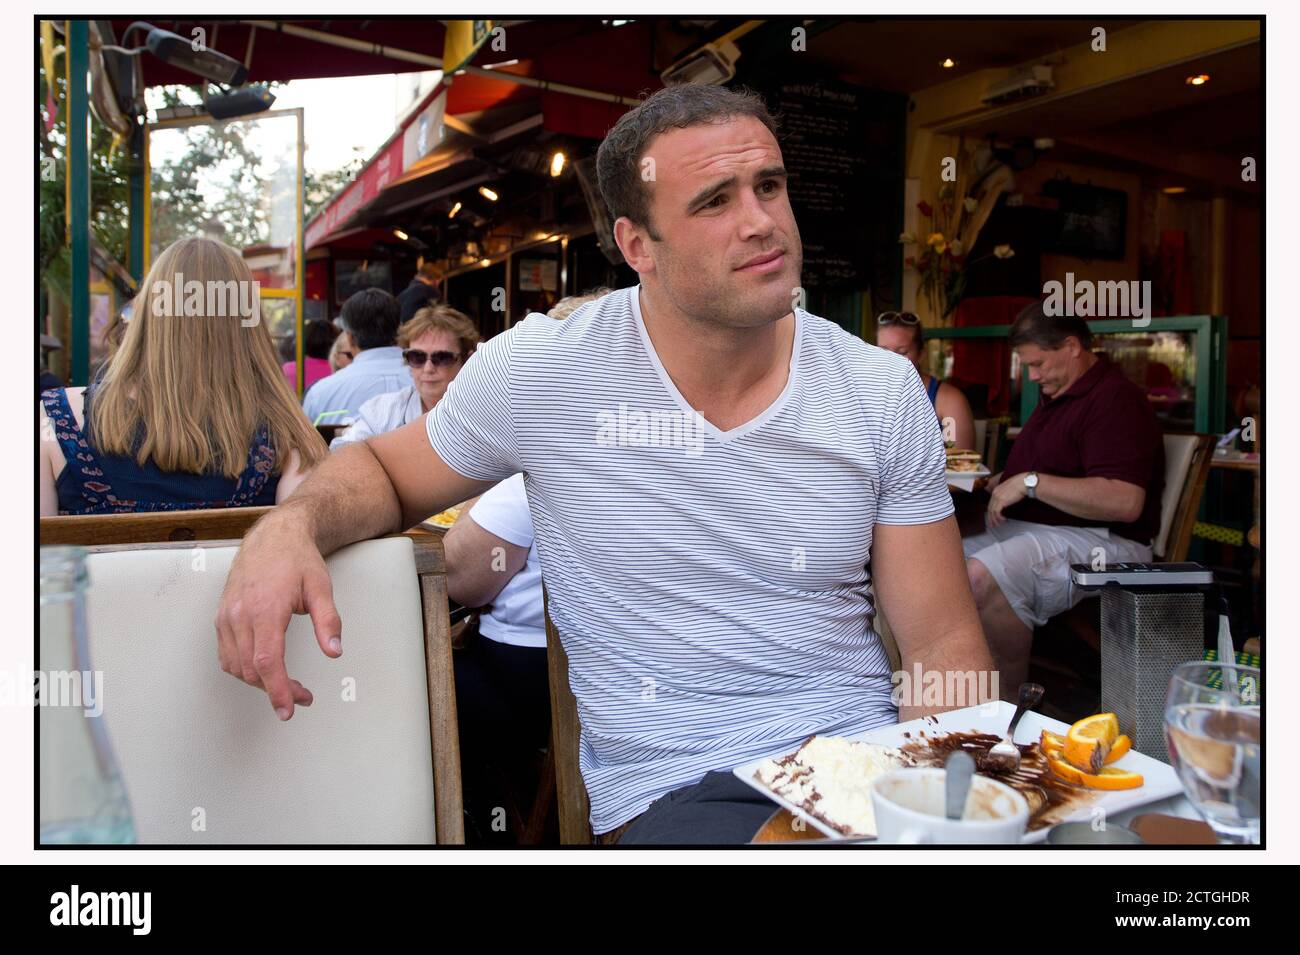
(780, 826)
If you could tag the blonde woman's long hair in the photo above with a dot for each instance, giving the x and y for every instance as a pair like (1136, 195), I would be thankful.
(195, 387)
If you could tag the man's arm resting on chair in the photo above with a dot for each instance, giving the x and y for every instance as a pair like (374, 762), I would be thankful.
(383, 485)
(920, 578)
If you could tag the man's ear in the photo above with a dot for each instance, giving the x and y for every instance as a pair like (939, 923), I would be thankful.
(634, 242)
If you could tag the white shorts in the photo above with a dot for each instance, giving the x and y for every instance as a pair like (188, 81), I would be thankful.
(1031, 563)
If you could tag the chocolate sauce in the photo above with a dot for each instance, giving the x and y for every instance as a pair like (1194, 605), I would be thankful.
(1049, 797)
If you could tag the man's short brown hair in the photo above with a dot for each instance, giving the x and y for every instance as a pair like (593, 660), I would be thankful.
(1033, 326)
(618, 161)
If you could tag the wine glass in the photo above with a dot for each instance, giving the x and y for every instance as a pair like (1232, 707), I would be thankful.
(1212, 728)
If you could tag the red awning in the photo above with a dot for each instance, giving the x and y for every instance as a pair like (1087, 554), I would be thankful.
(610, 60)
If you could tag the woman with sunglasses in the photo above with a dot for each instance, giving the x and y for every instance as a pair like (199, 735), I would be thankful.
(435, 344)
(901, 333)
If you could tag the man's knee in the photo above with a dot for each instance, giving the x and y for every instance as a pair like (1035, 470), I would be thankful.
(982, 583)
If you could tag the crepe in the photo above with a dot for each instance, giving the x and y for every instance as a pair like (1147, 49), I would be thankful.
(830, 779)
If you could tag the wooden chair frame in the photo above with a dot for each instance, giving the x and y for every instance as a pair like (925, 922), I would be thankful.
(1189, 501)
(573, 806)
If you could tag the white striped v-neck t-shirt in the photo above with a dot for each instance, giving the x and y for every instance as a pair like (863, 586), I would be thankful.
(711, 589)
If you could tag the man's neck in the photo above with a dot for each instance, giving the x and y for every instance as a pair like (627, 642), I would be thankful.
(1084, 365)
(712, 359)
(729, 375)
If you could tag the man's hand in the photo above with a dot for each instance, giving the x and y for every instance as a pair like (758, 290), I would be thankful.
(360, 491)
(277, 573)
(1004, 495)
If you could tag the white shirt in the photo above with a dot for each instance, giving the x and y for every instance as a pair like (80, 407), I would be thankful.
(518, 616)
(710, 588)
(375, 371)
(381, 414)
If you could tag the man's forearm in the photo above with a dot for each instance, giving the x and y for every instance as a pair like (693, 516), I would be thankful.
(346, 498)
(961, 660)
(1092, 498)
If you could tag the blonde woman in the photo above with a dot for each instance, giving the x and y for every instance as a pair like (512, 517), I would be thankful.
(435, 344)
(192, 410)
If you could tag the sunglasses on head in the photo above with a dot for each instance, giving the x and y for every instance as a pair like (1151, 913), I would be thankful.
(417, 359)
(897, 318)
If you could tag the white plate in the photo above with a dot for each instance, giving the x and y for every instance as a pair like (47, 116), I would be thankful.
(1160, 780)
(979, 472)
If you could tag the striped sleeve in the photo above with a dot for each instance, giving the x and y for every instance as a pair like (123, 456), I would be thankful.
(913, 488)
(472, 427)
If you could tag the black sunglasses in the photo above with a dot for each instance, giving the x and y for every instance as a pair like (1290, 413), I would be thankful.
(417, 359)
(897, 318)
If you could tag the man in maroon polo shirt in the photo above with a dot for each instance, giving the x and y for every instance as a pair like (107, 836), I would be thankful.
(1082, 483)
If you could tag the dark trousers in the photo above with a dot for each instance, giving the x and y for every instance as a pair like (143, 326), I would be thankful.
(719, 810)
(503, 708)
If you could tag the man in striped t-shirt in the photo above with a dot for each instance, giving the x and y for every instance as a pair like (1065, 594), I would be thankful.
(718, 481)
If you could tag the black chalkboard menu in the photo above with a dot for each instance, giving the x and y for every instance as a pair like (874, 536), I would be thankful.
(843, 146)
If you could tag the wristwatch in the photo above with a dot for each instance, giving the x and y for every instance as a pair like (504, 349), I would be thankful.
(1031, 485)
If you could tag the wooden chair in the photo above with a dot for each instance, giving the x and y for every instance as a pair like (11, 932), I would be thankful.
(573, 806)
(149, 527)
(342, 806)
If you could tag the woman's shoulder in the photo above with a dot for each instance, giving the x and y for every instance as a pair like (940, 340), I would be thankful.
(73, 397)
(950, 392)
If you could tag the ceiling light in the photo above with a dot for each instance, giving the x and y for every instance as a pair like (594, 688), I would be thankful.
(557, 163)
(1174, 190)
(488, 194)
(948, 63)
(1200, 79)
(454, 209)
(400, 234)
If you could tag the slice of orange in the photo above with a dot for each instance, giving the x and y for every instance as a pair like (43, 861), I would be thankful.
(1051, 744)
(1090, 740)
(1112, 778)
(1065, 771)
(1109, 778)
(1122, 745)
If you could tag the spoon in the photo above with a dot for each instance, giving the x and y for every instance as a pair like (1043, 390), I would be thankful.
(1005, 756)
(958, 770)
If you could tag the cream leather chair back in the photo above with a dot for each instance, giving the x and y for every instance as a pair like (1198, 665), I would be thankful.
(1179, 451)
(205, 760)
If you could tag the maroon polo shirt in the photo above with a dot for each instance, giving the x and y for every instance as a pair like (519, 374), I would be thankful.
(1101, 426)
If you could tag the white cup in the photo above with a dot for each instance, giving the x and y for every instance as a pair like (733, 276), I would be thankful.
(909, 806)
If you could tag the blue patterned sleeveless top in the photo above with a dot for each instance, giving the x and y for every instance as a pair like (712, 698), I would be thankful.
(95, 483)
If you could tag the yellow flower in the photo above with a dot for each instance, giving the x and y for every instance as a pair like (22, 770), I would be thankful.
(1003, 251)
(937, 242)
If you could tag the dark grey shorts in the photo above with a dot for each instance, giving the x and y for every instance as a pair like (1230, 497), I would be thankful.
(718, 810)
